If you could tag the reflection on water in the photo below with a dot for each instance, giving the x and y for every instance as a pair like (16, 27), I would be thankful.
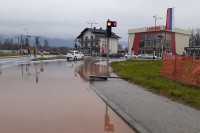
(90, 68)
(22, 68)
(0, 70)
(75, 69)
(107, 126)
(25, 70)
(27, 73)
(38, 72)
(41, 66)
(55, 100)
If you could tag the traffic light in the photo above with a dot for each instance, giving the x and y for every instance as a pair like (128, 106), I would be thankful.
(110, 24)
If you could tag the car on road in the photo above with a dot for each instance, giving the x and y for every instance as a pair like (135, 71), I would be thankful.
(115, 55)
(147, 56)
(74, 55)
(128, 56)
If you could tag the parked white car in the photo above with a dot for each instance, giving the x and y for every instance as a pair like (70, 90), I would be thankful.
(128, 56)
(74, 55)
(147, 56)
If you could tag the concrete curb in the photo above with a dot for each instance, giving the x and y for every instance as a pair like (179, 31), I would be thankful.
(129, 120)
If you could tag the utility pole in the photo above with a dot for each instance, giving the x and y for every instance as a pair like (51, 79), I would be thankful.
(19, 46)
(26, 31)
(26, 41)
(0, 43)
(155, 17)
(37, 43)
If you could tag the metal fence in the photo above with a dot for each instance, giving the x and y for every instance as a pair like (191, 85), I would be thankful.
(185, 69)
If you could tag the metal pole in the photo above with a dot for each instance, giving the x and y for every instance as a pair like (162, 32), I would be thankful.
(36, 47)
(132, 52)
(108, 51)
(156, 17)
(0, 43)
(154, 38)
(19, 45)
(165, 39)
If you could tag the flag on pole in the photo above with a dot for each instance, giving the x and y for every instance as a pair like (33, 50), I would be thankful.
(170, 19)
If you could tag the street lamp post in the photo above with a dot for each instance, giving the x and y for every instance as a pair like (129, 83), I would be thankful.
(37, 43)
(0, 43)
(26, 31)
(26, 40)
(155, 17)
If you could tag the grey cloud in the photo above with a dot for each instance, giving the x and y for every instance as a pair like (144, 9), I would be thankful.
(67, 18)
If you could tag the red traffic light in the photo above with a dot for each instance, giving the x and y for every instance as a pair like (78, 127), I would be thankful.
(111, 23)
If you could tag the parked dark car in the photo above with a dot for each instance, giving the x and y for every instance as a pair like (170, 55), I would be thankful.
(104, 55)
(112, 55)
(115, 55)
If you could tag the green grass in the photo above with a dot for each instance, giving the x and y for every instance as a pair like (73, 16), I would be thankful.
(147, 74)
(50, 58)
(3, 54)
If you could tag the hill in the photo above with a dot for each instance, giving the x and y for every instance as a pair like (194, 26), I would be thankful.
(55, 42)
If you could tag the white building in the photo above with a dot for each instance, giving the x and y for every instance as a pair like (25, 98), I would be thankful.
(149, 40)
(92, 40)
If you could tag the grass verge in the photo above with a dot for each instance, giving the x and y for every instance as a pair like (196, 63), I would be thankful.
(147, 74)
(3, 55)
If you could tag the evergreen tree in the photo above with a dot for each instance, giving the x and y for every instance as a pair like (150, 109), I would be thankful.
(197, 38)
(192, 39)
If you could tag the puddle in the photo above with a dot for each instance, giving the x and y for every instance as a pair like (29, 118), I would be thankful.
(54, 97)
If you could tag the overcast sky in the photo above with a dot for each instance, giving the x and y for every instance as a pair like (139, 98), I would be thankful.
(67, 18)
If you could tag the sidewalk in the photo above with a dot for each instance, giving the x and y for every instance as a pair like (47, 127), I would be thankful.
(145, 111)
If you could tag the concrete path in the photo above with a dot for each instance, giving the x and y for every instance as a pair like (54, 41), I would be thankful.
(145, 111)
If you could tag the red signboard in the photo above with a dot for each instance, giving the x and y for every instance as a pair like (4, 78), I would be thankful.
(154, 28)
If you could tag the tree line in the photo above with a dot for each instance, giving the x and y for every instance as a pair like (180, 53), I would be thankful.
(194, 38)
(23, 43)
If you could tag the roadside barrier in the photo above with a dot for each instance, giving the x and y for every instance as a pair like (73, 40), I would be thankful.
(185, 69)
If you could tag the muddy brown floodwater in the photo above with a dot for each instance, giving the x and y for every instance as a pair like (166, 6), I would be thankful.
(54, 97)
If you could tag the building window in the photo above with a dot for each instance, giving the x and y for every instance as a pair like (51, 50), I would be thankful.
(168, 37)
(150, 37)
(92, 38)
(86, 38)
(143, 37)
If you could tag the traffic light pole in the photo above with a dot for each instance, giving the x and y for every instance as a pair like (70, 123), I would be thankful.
(109, 25)
(108, 52)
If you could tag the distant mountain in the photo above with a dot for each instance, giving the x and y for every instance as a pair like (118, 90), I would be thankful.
(123, 43)
(55, 42)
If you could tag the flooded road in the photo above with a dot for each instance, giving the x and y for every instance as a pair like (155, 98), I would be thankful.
(54, 97)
